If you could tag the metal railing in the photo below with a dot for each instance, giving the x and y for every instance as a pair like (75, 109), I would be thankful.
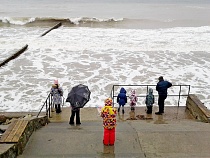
(49, 104)
(147, 88)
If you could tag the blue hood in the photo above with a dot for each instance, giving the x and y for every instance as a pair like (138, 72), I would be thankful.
(122, 90)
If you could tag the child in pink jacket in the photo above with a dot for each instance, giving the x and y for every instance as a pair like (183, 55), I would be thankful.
(133, 100)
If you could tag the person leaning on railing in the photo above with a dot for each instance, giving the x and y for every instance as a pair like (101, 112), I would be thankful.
(162, 87)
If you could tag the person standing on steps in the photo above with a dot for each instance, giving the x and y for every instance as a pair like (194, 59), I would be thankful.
(75, 111)
(133, 100)
(150, 99)
(162, 87)
(108, 113)
(122, 99)
(57, 93)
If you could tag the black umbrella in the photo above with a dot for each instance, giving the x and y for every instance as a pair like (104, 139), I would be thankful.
(78, 96)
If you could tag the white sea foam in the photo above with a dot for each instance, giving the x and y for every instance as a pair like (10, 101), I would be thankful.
(80, 20)
(17, 20)
(101, 58)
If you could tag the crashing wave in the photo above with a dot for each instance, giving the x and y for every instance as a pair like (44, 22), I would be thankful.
(70, 21)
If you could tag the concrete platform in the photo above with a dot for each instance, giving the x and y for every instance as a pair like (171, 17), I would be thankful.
(174, 134)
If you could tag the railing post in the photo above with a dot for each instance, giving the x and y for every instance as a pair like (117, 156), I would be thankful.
(62, 101)
(49, 98)
(52, 100)
(179, 94)
(46, 108)
(49, 106)
(113, 95)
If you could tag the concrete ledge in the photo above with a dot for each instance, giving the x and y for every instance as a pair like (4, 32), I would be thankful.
(197, 109)
(14, 149)
(8, 151)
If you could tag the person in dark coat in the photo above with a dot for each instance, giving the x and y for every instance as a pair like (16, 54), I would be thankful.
(75, 111)
(122, 99)
(162, 87)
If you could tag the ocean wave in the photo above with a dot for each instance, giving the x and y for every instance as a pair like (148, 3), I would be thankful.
(48, 20)
(124, 23)
(17, 21)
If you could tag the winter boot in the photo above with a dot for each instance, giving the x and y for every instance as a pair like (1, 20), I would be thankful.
(132, 109)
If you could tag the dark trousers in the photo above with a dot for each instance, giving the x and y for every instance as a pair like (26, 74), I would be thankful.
(132, 108)
(149, 109)
(73, 113)
(58, 108)
(161, 100)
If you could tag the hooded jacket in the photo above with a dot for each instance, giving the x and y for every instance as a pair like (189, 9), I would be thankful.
(150, 99)
(133, 98)
(122, 98)
(108, 113)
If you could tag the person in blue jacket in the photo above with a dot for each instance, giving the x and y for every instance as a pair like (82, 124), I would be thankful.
(162, 87)
(122, 99)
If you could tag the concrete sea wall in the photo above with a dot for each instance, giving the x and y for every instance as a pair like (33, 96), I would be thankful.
(13, 149)
(197, 109)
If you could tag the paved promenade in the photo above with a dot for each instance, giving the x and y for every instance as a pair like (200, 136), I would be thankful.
(174, 134)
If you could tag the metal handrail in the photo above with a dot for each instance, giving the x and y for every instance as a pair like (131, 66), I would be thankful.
(147, 86)
(48, 104)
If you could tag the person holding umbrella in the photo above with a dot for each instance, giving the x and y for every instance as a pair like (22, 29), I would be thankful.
(75, 111)
(108, 113)
(77, 97)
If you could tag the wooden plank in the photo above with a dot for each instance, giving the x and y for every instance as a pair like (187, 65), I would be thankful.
(20, 131)
(12, 133)
(7, 132)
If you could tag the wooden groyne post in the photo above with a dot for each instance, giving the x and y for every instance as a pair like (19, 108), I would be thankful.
(54, 27)
(14, 55)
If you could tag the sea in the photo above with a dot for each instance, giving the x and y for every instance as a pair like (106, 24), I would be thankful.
(103, 44)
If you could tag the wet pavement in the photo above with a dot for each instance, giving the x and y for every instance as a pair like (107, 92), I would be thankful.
(173, 134)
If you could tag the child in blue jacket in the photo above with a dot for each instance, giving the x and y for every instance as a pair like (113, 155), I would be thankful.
(122, 99)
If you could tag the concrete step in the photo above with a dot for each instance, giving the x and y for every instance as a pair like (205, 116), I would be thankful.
(174, 134)
(90, 113)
